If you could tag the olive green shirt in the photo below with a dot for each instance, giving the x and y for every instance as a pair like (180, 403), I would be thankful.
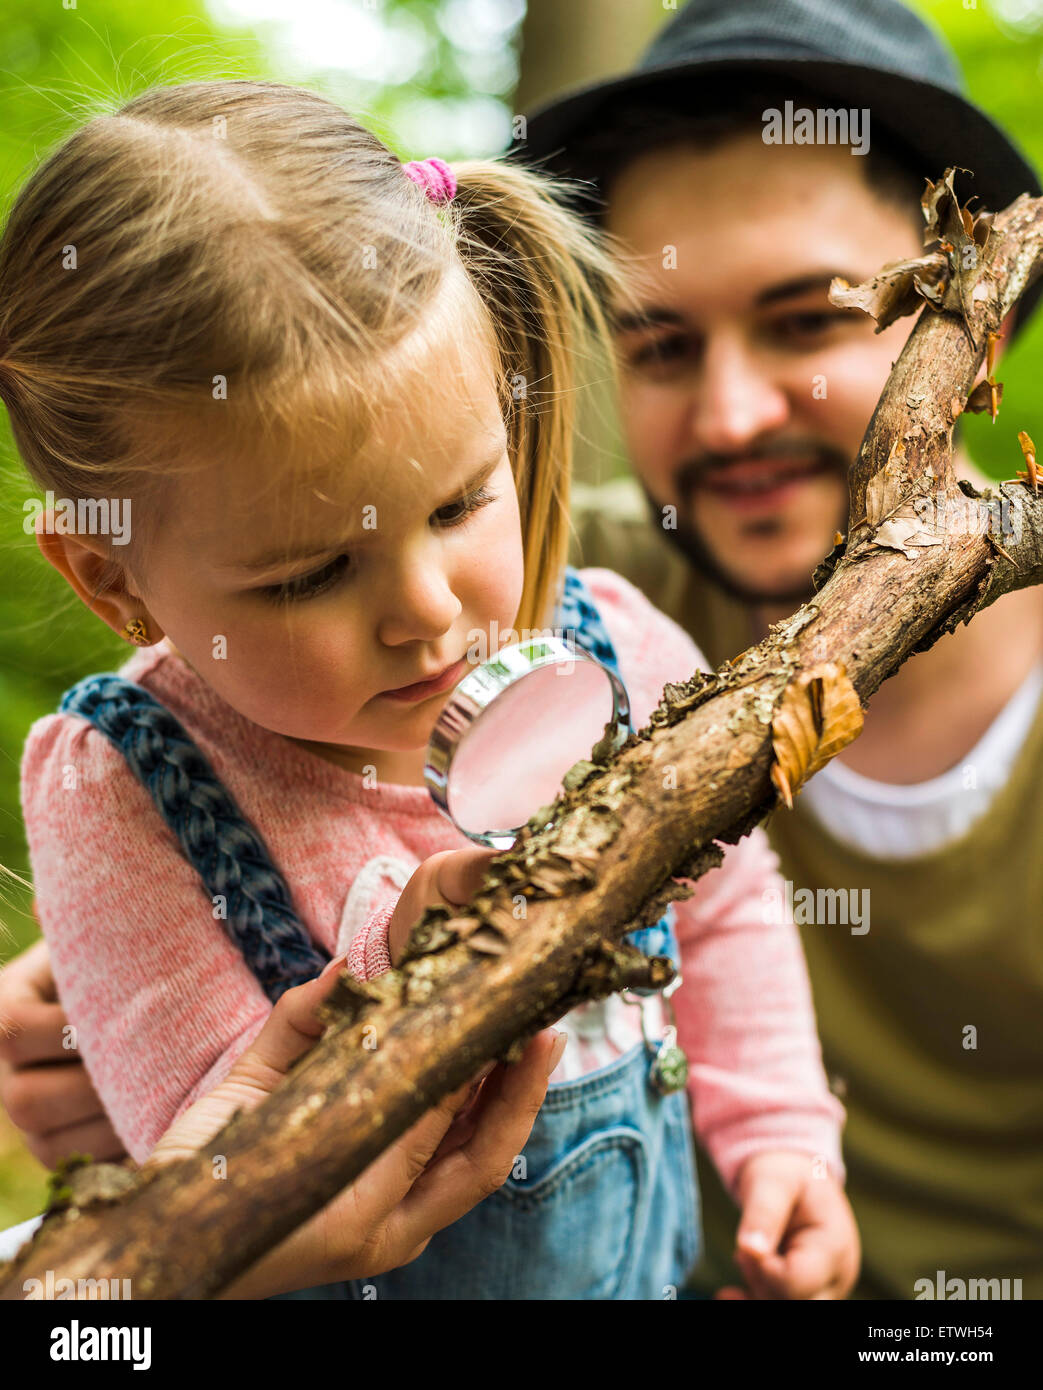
(931, 1022)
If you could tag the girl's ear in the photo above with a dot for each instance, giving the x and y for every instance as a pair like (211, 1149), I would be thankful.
(84, 562)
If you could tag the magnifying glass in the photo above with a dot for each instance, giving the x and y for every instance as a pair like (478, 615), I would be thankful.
(511, 730)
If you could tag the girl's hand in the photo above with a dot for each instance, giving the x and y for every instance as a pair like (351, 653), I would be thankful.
(44, 1087)
(431, 1176)
(448, 879)
(797, 1237)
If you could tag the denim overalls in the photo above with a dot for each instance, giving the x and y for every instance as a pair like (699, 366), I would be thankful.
(602, 1202)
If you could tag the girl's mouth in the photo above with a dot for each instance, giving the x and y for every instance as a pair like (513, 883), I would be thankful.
(423, 690)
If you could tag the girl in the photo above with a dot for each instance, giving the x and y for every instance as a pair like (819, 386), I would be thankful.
(333, 394)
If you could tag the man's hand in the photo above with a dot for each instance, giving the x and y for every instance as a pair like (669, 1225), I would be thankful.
(446, 879)
(797, 1236)
(451, 1158)
(44, 1087)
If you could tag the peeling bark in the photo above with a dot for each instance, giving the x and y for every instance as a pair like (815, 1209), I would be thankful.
(604, 859)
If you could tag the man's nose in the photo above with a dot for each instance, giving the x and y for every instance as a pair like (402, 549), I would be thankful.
(735, 398)
(418, 600)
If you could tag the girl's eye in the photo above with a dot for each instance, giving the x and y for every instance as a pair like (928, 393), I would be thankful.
(307, 585)
(466, 507)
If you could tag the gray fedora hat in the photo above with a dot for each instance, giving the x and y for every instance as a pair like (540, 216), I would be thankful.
(873, 54)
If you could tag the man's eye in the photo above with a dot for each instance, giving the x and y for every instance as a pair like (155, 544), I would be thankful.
(306, 586)
(464, 509)
(809, 325)
(661, 351)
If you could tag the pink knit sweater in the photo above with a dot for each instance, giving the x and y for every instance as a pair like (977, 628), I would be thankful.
(163, 1003)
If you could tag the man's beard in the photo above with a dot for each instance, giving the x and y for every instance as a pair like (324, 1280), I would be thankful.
(691, 545)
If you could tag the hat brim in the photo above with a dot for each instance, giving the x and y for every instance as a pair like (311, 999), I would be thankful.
(936, 128)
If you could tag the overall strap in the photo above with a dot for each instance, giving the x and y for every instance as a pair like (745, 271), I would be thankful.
(578, 615)
(217, 839)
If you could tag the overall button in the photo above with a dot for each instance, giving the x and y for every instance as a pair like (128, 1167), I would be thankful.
(669, 1071)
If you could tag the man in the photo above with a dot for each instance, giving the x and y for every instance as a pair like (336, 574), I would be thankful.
(745, 396)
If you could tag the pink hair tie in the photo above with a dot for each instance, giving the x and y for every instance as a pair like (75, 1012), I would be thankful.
(434, 176)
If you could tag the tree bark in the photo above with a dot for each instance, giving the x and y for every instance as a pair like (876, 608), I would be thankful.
(475, 985)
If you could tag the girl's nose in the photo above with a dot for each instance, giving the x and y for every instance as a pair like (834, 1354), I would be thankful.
(418, 603)
(735, 400)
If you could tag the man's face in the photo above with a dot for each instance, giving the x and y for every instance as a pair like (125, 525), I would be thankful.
(746, 394)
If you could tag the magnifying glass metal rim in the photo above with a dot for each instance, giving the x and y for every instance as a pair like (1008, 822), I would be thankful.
(478, 689)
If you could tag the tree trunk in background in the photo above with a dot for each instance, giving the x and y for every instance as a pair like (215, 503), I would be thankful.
(566, 43)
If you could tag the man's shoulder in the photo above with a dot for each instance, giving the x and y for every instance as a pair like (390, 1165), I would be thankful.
(612, 528)
(621, 498)
(619, 504)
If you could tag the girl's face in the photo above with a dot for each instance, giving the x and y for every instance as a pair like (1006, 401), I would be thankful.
(302, 591)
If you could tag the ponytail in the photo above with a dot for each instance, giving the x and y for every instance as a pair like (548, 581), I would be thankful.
(545, 278)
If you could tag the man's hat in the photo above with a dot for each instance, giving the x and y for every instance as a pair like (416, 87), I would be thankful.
(855, 53)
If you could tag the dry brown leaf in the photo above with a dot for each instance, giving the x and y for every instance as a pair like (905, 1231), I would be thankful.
(885, 487)
(819, 715)
(941, 207)
(899, 288)
(945, 276)
(961, 234)
(983, 226)
(901, 532)
(980, 398)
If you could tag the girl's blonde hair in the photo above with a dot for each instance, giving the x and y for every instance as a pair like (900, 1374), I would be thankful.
(258, 233)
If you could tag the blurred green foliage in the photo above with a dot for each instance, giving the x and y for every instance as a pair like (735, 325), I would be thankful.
(1003, 66)
(58, 67)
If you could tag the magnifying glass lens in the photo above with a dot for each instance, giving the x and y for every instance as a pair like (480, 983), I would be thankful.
(511, 731)
(511, 760)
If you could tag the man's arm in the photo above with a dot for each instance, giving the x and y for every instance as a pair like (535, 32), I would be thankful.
(44, 1086)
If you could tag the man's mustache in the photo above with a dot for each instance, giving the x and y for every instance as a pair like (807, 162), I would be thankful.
(692, 473)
